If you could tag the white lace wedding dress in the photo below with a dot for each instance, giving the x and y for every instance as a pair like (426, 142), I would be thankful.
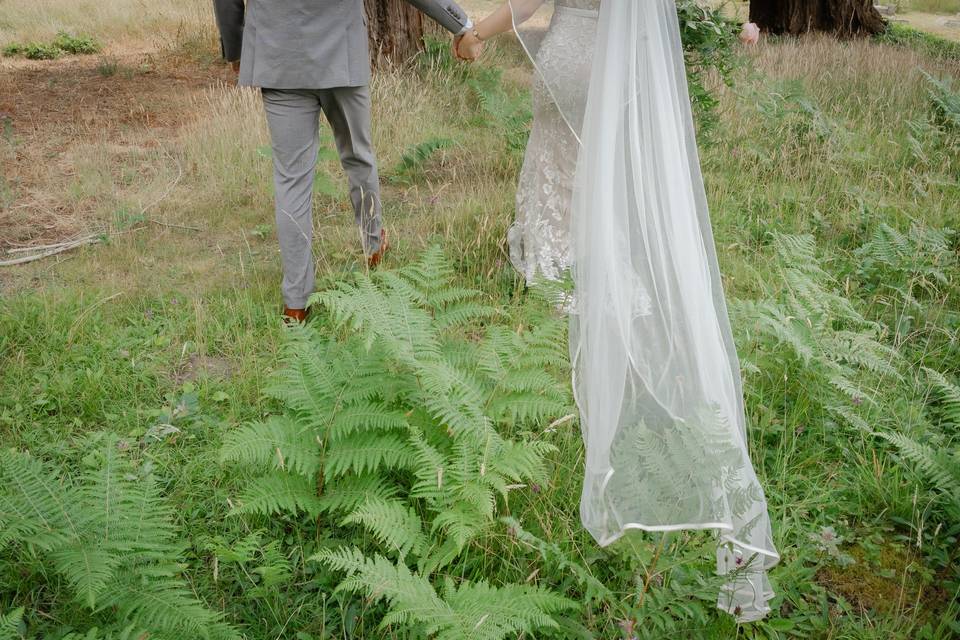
(539, 239)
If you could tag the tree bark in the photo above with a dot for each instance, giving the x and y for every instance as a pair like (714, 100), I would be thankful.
(396, 30)
(846, 18)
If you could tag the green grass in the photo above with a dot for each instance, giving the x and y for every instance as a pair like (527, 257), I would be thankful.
(165, 326)
(63, 43)
(926, 43)
(932, 6)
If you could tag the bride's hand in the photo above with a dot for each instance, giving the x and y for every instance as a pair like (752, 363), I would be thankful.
(468, 47)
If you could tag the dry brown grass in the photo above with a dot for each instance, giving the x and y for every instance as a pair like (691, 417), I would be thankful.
(80, 141)
(116, 23)
(178, 118)
(865, 79)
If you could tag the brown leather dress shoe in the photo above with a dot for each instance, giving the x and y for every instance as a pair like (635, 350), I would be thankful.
(374, 258)
(291, 316)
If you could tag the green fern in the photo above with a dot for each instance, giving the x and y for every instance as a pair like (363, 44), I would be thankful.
(814, 332)
(946, 101)
(279, 493)
(395, 525)
(915, 262)
(10, 624)
(393, 425)
(940, 466)
(508, 114)
(415, 157)
(949, 394)
(110, 535)
(469, 611)
(280, 442)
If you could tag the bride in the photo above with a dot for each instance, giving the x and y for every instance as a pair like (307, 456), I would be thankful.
(611, 188)
(539, 239)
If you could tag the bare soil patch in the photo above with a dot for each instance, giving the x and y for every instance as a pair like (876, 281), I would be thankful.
(52, 112)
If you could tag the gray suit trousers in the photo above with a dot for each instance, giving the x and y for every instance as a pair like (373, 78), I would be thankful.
(293, 116)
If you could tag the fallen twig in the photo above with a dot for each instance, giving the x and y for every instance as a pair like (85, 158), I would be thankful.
(175, 226)
(42, 247)
(93, 239)
(47, 250)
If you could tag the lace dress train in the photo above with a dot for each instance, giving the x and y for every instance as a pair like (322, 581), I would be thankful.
(539, 239)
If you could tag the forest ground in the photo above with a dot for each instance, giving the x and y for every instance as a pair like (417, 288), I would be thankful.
(147, 146)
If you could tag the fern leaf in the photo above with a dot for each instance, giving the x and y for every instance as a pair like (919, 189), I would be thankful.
(483, 611)
(35, 503)
(411, 597)
(414, 157)
(461, 523)
(10, 624)
(88, 569)
(395, 525)
(363, 417)
(343, 495)
(168, 609)
(949, 395)
(368, 452)
(280, 442)
(939, 467)
(280, 493)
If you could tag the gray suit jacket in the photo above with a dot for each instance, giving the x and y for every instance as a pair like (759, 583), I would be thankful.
(307, 44)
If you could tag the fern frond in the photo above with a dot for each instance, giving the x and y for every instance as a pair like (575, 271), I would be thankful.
(939, 467)
(279, 493)
(395, 525)
(10, 624)
(470, 611)
(368, 452)
(402, 328)
(166, 608)
(850, 416)
(307, 383)
(946, 101)
(411, 597)
(111, 536)
(521, 460)
(429, 467)
(36, 504)
(345, 494)
(431, 272)
(949, 396)
(414, 157)
(865, 351)
(453, 399)
(281, 442)
(462, 314)
(492, 613)
(363, 417)
(461, 523)
(88, 569)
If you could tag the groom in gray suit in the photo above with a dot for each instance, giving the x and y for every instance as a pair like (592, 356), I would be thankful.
(309, 56)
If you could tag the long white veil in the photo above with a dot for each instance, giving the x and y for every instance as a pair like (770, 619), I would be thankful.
(656, 373)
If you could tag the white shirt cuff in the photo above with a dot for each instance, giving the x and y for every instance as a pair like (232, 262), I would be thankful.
(466, 27)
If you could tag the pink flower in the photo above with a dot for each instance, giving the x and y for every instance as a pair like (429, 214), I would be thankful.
(750, 33)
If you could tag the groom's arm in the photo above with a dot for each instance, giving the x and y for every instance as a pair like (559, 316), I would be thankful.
(448, 13)
(230, 23)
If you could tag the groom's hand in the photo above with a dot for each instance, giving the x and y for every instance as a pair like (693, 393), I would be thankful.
(235, 65)
(467, 47)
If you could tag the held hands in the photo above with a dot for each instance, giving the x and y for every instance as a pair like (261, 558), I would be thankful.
(467, 47)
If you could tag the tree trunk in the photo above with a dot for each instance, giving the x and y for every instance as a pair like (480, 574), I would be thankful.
(396, 30)
(846, 18)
